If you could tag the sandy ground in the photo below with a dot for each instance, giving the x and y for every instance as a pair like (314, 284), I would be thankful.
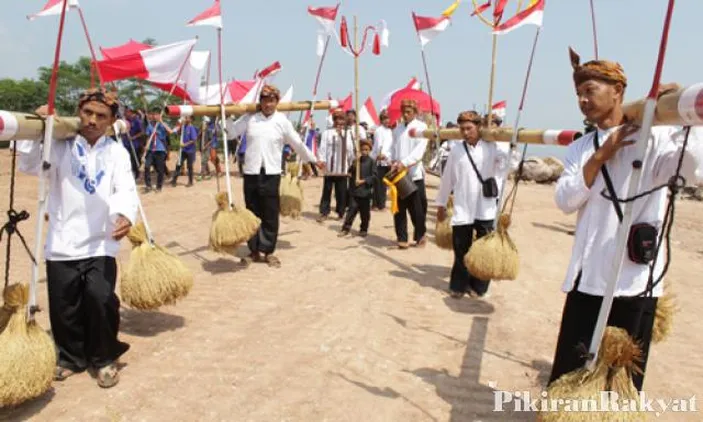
(348, 329)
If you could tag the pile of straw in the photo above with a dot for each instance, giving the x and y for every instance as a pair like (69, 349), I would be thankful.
(291, 196)
(494, 256)
(613, 371)
(154, 276)
(443, 229)
(27, 354)
(231, 228)
(663, 317)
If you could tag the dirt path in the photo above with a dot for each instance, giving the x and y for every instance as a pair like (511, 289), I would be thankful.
(347, 329)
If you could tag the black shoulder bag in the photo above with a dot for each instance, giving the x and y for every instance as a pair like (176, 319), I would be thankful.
(489, 186)
(642, 240)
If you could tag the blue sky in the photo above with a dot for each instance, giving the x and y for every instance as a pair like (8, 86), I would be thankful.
(260, 32)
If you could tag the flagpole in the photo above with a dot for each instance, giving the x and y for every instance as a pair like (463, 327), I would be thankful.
(490, 88)
(46, 168)
(429, 86)
(513, 141)
(593, 23)
(223, 120)
(356, 91)
(94, 65)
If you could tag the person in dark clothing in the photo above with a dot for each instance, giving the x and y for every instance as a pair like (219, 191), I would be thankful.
(360, 191)
(190, 137)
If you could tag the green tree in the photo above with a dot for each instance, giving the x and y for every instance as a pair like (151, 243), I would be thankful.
(22, 95)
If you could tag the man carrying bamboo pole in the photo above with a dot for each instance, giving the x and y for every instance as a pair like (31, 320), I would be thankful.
(266, 133)
(595, 182)
(407, 153)
(92, 205)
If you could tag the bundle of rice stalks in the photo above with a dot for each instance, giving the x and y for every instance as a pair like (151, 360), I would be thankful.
(27, 354)
(494, 256)
(293, 168)
(154, 276)
(443, 229)
(613, 371)
(291, 196)
(663, 317)
(231, 228)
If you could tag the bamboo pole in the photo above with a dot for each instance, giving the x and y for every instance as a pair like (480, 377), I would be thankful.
(524, 136)
(492, 81)
(356, 100)
(239, 109)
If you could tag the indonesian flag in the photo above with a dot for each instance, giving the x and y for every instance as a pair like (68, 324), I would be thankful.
(252, 96)
(160, 64)
(210, 17)
(53, 8)
(368, 114)
(499, 109)
(130, 47)
(428, 28)
(345, 104)
(326, 16)
(499, 9)
(534, 15)
(482, 8)
(413, 84)
(288, 96)
(269, 71)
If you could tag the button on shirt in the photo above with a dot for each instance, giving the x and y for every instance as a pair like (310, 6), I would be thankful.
(594, 247)
(460, 177)
(383, 141)
(265, 137)
(158, 144)
(89, 187)
(410, 150)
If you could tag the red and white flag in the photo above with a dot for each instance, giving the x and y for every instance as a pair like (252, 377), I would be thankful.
(53, 8)
(533, 15)
(288, 96)
(499, 109)
(160, 64)
(325, 16)
(210, 17)
(269, 71)
(368, 114)
(130, 47)
(413, 84)
(427, 28)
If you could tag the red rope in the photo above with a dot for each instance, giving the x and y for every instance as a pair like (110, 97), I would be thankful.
(57, 56)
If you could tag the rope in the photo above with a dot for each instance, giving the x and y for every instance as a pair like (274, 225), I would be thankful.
(513, 191)
(14, 218)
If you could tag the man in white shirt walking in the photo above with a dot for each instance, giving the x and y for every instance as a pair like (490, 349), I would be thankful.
(91, 206)
(335, 155)
(601, 158)
(471, 164)
(382, 143)
(406, 153)
(266, 133)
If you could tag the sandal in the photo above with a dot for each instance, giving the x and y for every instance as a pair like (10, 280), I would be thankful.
(249, 259)
(273, 261)
(108, 376)
(61, 373)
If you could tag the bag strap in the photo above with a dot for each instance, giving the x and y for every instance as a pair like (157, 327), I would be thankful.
(608, 182)
(472, 163)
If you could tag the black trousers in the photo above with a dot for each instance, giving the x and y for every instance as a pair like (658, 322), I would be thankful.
(189, 158)
(416, 206)
(379, 188)
(84, 312)
(158, 160)
(261, 195)
(341, 191)
(578, 321)
(358, 206)
(462, 238)
(135, 158)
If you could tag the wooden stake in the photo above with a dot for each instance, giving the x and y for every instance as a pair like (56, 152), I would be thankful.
(356, 95)
(493, 73)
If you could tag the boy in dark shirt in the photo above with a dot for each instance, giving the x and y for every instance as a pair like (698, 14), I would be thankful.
(360, 191)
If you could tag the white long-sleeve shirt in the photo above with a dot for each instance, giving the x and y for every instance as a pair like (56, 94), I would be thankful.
(410, 150)
(460, 177)
(593, 253)
(382, 143)
(331, 153)
(89, 187)
(265, 139)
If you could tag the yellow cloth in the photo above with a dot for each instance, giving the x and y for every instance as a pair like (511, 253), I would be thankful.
(393, 191)
(449, 11)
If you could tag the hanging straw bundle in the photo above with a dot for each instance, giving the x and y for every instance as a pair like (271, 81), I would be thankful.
(154, 276)
(663, 317)
(27, 354)
(612, 372)
(494, 256)
(443, 229)
(291, 193)
(231, 228)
